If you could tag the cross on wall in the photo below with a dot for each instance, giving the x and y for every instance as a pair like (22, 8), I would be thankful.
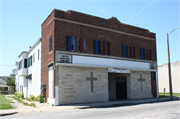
(91, 79)
(141, 80)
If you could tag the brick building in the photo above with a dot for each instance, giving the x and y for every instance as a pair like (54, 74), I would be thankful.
(90, 59)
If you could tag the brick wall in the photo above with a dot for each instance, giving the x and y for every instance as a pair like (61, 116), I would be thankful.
(46, 56)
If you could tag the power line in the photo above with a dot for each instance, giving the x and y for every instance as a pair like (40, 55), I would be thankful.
(7, 65)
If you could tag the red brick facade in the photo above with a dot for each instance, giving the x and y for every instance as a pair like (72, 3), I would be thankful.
(107, 31)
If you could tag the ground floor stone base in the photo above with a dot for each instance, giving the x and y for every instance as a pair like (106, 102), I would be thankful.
(74, 85)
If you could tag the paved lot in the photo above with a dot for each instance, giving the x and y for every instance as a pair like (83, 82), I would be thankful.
(158, 110)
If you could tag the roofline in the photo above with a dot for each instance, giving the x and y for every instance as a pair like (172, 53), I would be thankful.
(30, 48)
(167, 63)
(34, 44)
(22, 53)
(47, 17)
(3, 78)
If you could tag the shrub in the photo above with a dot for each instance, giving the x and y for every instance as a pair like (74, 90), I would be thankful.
(16, 93)
(32, 97)
(28, 99)
(38, 99)
(41, 99)
(22, 95)
(33, 104)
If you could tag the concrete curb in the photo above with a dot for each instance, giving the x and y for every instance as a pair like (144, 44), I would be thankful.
(130, 103)
(91, 105)
(5, 114)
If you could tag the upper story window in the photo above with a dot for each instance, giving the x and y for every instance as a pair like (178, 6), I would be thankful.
(20, 64)
(30, 60)
(124, 51)
(148, 52)
(106, 48)
(142, 52)
(25, 63)
(50, 44)
(132, 51)
(70, 43)
(81, 45)
(97, 47)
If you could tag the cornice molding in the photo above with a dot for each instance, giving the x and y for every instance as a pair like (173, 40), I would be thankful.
(98, 27)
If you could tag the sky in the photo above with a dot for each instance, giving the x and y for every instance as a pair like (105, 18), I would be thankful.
(20, 23)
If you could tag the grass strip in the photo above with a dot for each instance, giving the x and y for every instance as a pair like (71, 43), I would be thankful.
(5, 103)
(161, 95)
(24, 103)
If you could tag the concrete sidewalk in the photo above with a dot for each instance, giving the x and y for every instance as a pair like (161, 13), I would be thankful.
(82, 106)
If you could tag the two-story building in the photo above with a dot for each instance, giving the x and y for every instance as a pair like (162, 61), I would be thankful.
(86, 58)
(28, 73)
(91, 59)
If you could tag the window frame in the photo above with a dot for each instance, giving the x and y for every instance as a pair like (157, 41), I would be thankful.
(97, 46)
(81, 44)
(25, 63)
(50, 44)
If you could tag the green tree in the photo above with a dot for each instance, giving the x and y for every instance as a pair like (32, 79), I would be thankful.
(10, 81)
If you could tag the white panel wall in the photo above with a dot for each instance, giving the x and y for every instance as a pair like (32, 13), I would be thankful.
(35, 70)
(84, 60)
(22, 71)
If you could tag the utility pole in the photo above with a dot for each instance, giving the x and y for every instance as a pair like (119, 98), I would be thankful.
(169, 64)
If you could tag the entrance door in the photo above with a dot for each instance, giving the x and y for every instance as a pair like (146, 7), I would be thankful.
(51, 82)
(153, 83)
(121, 88)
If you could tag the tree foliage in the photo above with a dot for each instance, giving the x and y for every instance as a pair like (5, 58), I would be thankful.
(10, 81)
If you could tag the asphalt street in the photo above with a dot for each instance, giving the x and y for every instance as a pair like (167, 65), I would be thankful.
(159, 110)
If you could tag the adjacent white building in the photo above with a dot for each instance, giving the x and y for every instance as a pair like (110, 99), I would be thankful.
(163, 76)
(28, 73)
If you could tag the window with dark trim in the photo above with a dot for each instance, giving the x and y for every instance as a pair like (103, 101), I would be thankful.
(25, 63)
(148, 54)
(30, 60)
(20, 64)
(81, 45)
(142, 53)
(97, 47)
(132, 51)
(50, 44)
(124, 51)
(106, 48)
(70, 43)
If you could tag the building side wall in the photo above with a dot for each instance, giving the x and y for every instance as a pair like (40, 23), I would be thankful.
(74, 88)
(163, 77)
(35, 70)
(46, 57)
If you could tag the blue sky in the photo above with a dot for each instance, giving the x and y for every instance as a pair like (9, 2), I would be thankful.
(20, 23)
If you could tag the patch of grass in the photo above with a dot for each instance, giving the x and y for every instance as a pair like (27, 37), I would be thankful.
(24, 103)
(5, 103)
(161, 95)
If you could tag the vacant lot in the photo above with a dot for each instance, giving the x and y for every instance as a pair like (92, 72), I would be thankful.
(4, 103)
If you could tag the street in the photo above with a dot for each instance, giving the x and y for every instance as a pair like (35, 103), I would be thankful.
(159, 110)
